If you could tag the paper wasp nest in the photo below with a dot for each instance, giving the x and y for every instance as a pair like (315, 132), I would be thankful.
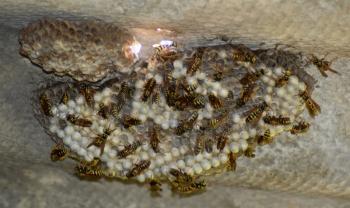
(85, 50)
(181, 114)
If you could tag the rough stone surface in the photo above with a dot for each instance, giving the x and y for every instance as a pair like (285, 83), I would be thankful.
(311, 171)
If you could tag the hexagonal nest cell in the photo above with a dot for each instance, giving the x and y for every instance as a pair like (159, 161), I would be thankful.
(178, 116)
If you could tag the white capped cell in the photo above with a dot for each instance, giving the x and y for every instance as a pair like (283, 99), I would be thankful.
(71, 104)
(164, 169)
(178, 64)
(268, 99)
(61, 133)
(235, 136)
(53, 128)
(205, 164)
(159, 160)
(280, 92)
(244, 134)
(77, 109)
(110, 164)
(149, 76)
(301, 86)
(236, 118)
(278, 71)
(265, 79)
(294, 80)
(181, 164)
(234, 147)
(189, 161)
(223, 158)
(272, 82)
(62, 108)
(139, 84)
(165, 125)
(67, 140)
(215, 162)
(98, 97)
(244, 145)
(268, 72)
(141, 178)
(127, 164)
(223, 92)
(144, 156)
(201, 75)
(197, 168)
(269, 89)
(148, 174)
(175, 152)
(80, 100)
(74, 146)
(189, 171)
(76, 136)
(118, 167)
(199, 157)
(142, 117)
(82, 152)
(167, 157)
(252, 132)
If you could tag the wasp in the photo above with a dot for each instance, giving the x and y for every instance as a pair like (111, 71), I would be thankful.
(78, 121)
(322, 65)
(138, 168)
(256, 113)
(246, 95)
(115, 108)
(273, 120)
(181, 176)
(155, 186)
(171, 95)
(266, 138)
(103, 110)
(221, 142)
(218, 74)
(154, 139)
(65, 97)
(125, 91)
(313, 108)
(129, 121)
(189, 88)
(129, 149)
(88, 94)
(232, 161)
(283, 80)
(299, 128)
(148, 89)
(199, 145)
(243, 54)
(156, 97)
(45, 105)
(250, 152)
(166, 51)
(189, 188)
(85, 170)
(198, 101)
(195, 62)
(59, 152)
(215, 101)
(209, 145)
(187, 124)
(219, 121)
(100, 140)
(251, 78)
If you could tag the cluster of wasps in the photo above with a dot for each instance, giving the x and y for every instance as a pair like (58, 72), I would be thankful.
(182, 96)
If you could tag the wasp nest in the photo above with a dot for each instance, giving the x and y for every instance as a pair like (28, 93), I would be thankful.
(181, 114)
(86, 50)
